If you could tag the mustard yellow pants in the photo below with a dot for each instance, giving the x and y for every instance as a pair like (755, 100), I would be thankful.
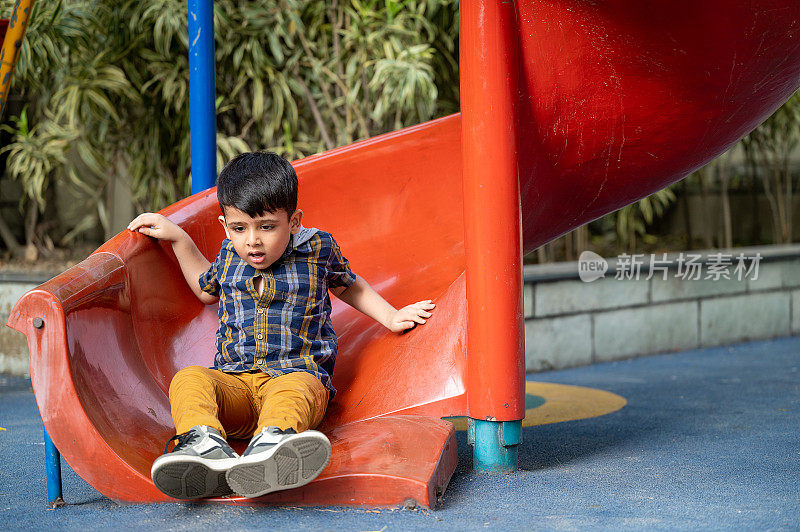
(239, 405)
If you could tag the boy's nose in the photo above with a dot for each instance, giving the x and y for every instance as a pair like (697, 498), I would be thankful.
(252, 238)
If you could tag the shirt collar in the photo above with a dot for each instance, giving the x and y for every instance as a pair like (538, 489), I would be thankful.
(300, 240)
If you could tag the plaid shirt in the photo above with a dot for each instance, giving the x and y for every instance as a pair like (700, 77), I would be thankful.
(288, 327)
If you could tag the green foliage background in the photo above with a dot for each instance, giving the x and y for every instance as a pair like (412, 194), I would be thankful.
(106, 86)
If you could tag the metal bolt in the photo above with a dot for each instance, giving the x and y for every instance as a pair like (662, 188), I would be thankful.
(38, 323)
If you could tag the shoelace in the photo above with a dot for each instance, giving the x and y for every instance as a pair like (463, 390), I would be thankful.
(256, 441)
(183, 440)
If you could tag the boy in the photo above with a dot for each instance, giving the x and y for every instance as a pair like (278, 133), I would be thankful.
(276, 347)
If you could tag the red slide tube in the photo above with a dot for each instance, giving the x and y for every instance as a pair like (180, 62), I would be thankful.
(489, 81)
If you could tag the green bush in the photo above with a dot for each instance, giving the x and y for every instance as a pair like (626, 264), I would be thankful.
(107, 91)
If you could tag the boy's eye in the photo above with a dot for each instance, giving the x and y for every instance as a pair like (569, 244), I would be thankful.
(267, 227)
(238, 229)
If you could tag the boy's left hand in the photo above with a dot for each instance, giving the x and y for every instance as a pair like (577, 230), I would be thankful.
(408, 317)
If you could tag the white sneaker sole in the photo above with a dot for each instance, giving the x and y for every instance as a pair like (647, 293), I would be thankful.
(294, 462)
(191, 477)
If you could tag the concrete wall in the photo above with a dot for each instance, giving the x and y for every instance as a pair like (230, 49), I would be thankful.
(13, 345)
(569, 322)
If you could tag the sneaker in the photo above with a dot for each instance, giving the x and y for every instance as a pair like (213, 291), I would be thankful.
(278, 460)
(196, 467)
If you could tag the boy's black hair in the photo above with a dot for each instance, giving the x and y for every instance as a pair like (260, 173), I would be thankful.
(257, 183)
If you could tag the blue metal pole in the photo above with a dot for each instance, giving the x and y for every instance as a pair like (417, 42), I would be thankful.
(202, 93)
(495, 444)
(52, 462)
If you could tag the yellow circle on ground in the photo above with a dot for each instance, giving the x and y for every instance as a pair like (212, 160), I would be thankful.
(568, 403)
(562, 402)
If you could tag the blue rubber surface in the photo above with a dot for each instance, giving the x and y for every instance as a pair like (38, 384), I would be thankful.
(708, 440)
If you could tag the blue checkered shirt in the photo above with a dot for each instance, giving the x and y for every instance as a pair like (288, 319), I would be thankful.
(288, 327)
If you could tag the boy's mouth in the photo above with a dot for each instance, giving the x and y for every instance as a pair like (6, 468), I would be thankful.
(257, 257)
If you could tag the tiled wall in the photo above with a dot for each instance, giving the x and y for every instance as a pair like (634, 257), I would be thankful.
(569, 322)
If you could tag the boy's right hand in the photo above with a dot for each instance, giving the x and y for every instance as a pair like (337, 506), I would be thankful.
(191, 260)
(157, 226)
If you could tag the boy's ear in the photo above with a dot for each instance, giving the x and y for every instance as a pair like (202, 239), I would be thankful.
(224, 226)
(295, 221)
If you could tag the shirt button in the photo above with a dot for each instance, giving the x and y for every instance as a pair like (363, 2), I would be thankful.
(261, 311)
(260, 337)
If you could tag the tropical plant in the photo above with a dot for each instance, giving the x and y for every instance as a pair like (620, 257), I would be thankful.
(768, 150)
(632, 220)
(294, 76)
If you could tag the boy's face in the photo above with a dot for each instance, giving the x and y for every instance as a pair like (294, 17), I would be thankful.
(260, 241)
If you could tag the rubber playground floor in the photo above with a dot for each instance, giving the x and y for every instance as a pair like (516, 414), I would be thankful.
(702, 439)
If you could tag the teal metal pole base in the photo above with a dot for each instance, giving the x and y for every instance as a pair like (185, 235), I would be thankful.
(495, 444)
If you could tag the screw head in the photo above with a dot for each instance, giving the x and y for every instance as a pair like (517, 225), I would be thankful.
(38, 323)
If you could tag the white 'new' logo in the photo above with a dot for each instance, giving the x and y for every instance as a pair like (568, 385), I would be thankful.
(591, 266)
